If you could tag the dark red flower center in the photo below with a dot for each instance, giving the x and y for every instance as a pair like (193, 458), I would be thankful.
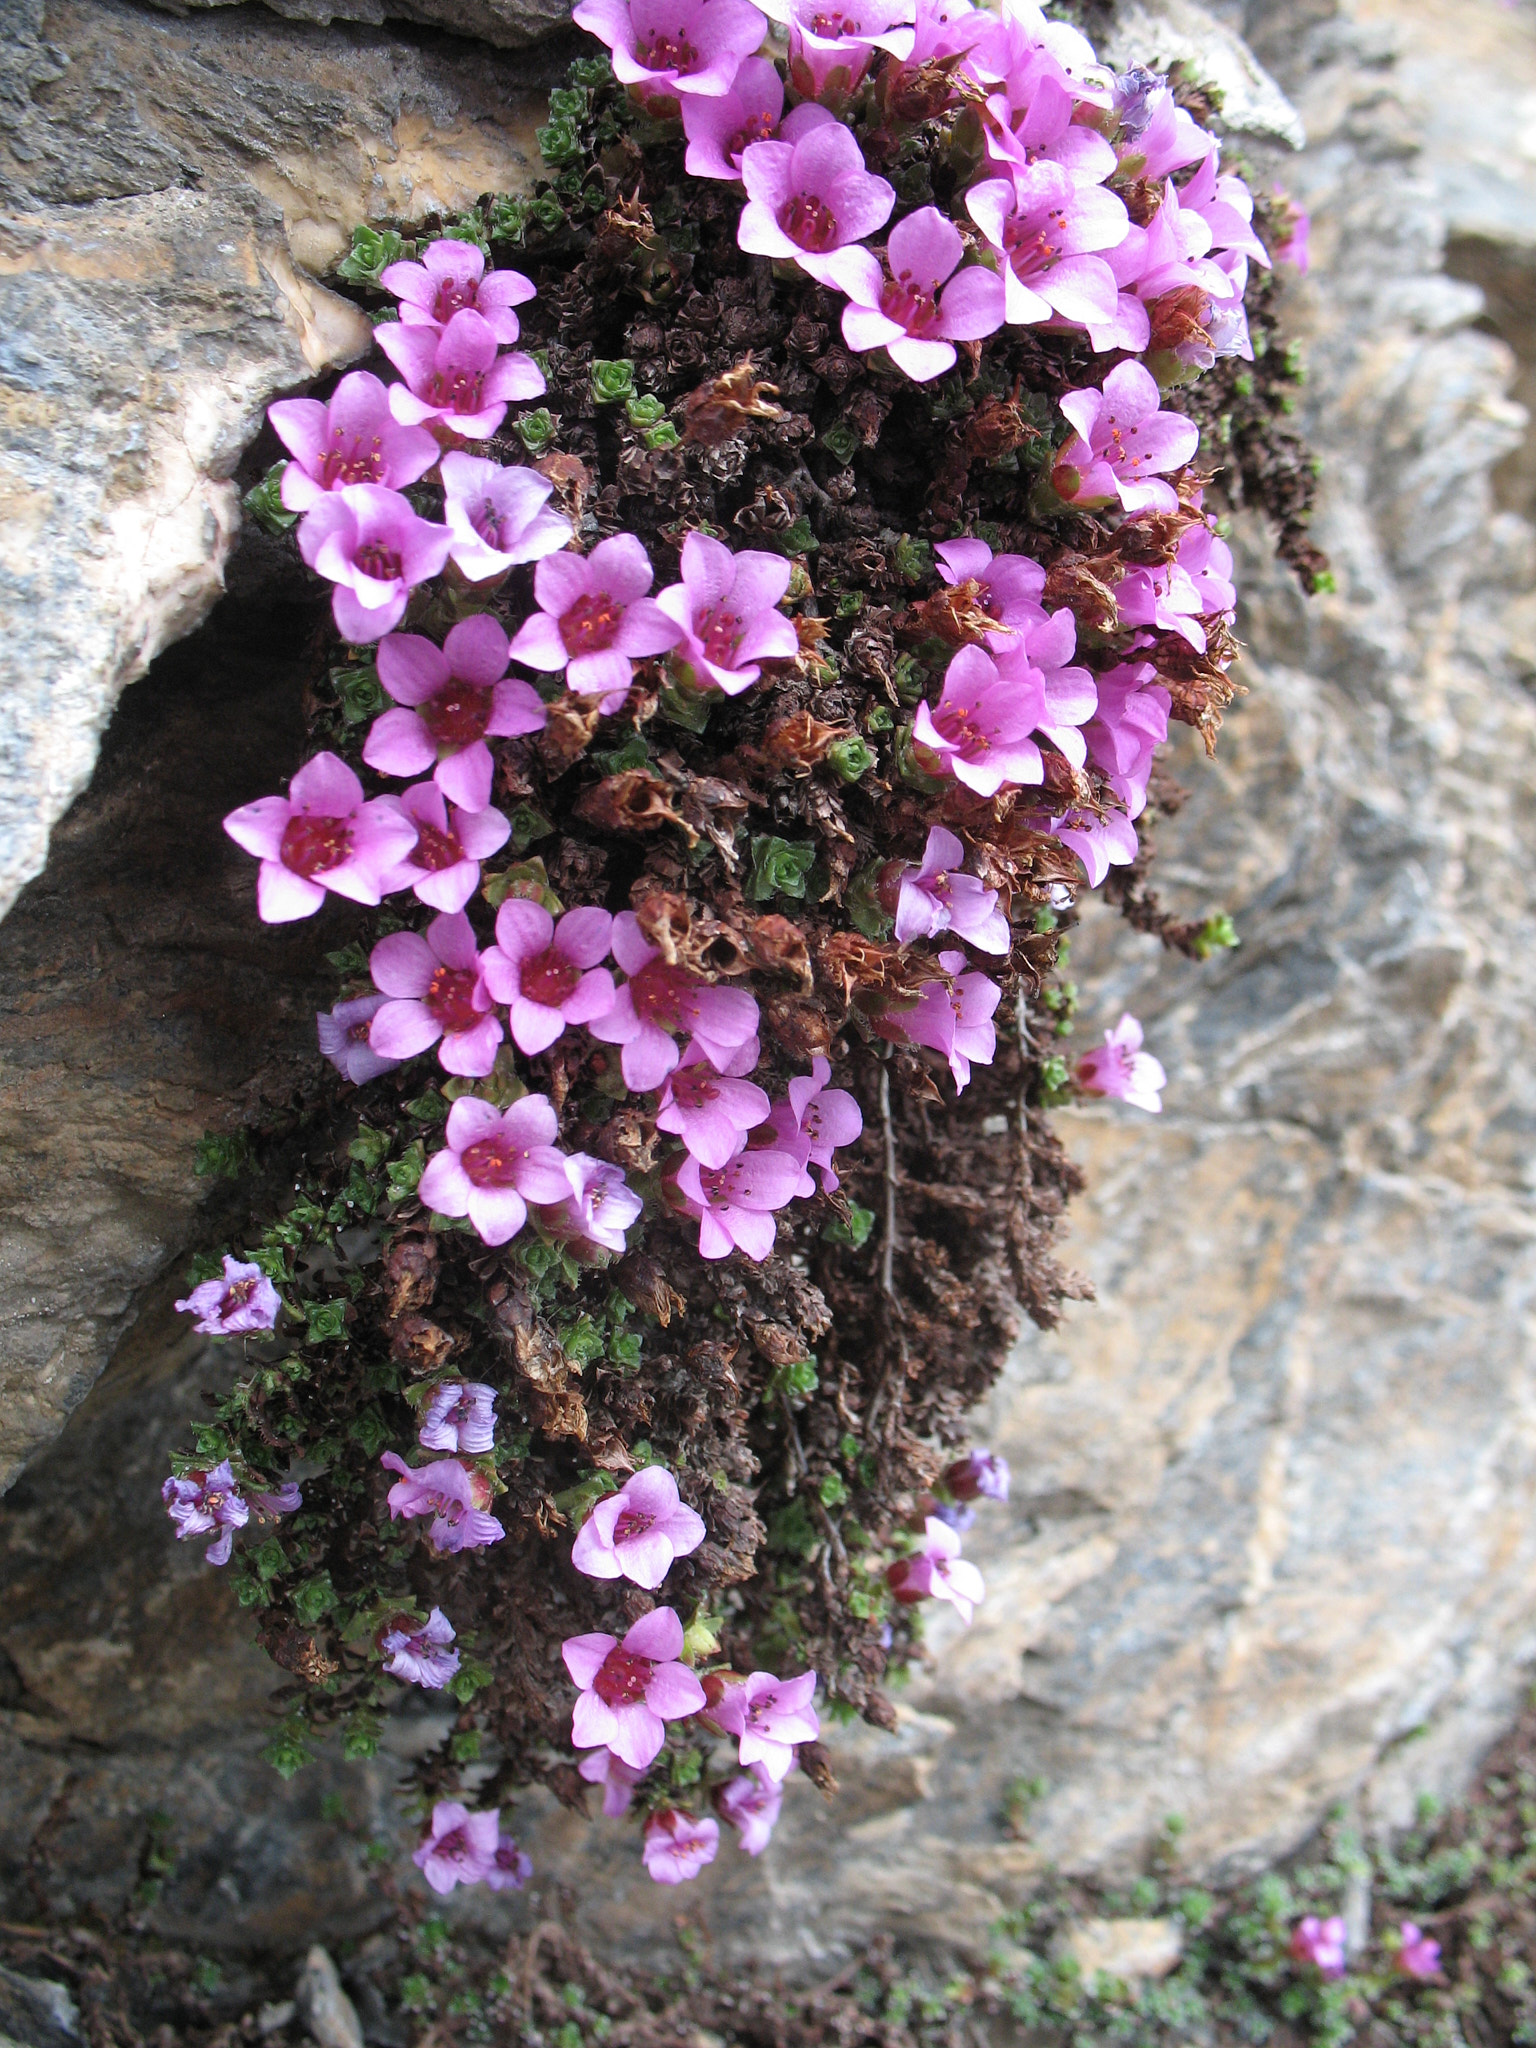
(235, 1296)
(694, 1087)
(834, 24)
(453, 295)
(756, 128)
(915, 310)
(457, 716)
(354, 465)
(450, 998)
(548, 978)
(717, 1195)
(809, 222)
(668, 53)
(491, 1162)
(435, 850)
(455, 390)
(374, 559)
(632, 1522)
(656, 992)
(453, 1847)
(721, 633)
(358, 1032)
(591, 623)
(313, 846)
(622, 1680)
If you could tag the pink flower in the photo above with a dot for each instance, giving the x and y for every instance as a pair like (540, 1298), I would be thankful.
(1129, 725)
(814, 1120)
(637, 1532)
(343, 1036)
(1123, 444)
(979, 1475)
(1157, 135)
(461, 1416)
(735, 1203)
(600, 1205)
(1008, 588)
(453, 698)
(1178, 594)
(443, 867)
(953, 1017)
(458, 1848)
(658, 1000)
(421, 1655)
(751, 1804)
(719, 130)
(938, 897)
(681, 47)
(286, 1501)
(454, 1497)
(769, 1716)
(350, 438)
(371, 543)
(511, 1867)
(725, 611)
(454, 376)
(676, 1847)
(630, 1690)
(938, 1572)
(1417, 1954)
(908, 315)
(1123, 1069)
(1048, 230)
(498, 515)
(1296, 249)
(1225, 204)
(980, 728)
(547, 973)
(449, 277)
(710, 1112)
(202, 1501)
(437, 992)
(244, 1299)
(1323, 1943)
(494, 1163)
(602, 1767)
(810, 200)
(1100, 843)
(594, 617)
(830, 47)
(320, 836)
(1031, 118)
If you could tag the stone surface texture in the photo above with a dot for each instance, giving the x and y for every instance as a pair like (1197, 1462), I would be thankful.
(1271, 1543)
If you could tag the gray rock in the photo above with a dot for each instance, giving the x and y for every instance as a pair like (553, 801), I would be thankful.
(509, 24)
(323, 2006)
(36, 2012)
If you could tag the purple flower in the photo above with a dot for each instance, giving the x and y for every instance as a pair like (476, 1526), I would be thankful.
(438, 993)
(719, 130)
(511, 1867)
(979, 1475)
(938, 897)
(1007, 588)
(443, 867)
(735, 1203)
(710, 1112)
(1176, 595)
(908, 315)
(1417, 1954)
(594, 617)
(547, 973)
(1100, 842)
(1225, 204)
(343, 1035)
(630, 1690)
(454, 376)
(676, 1846)
(350, 438)
(286, 1501)
(811, 199)
(937, 1571)
(452, 699)
(201, 1501)
(373, 545)
(1121, 1068)
(421, 1655)
(830, 47)
(1047, 230)
(1031, 118)
(449, 277)
(600, 1206)
(769, 1716)
(1128, 727)
(602, 1767)
(751, 1804)
(244, 1299)
(320, 836)
(498, 515)
(461, 1416)
(677, 47)
(1166, 137)
(979, 731)
(637, 1532)
(1123, 444)
(725, 611)
(954, 1516)
(458, 1848)
(1296, 248)
(494, 1163)
(814, 1120)
(953, 1016)
(658, 1000)
(453, 1496)
(1323, 1943)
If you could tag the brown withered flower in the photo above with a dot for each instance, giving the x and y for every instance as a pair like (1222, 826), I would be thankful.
(796, 742)
(721, 408)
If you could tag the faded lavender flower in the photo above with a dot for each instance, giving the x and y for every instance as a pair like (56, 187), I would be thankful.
(751, 1804)
(813, 1121)
(937, 1571)
(769, 1716)
(1322, 1943)
(979, 1475)
(498, 514)
(421, 1656)
(461, 1416)
(243, 1300)
(601, 1204)
(1122, 1069)
(511, 1867)
(453, 1496)
(458, 1848)
(343, 1036)
(602, 1767)
(938, 896)
(203, 1501)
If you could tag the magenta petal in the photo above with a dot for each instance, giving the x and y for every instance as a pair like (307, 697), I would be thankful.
(674, 1692)
(402, 1029)
(465, 777)
(657, 1635)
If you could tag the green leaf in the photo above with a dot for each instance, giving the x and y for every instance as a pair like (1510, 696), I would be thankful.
(369, 1429)
(850, 758)
(792, 1530)
(559, 143)
(362, 695)
(471, 1677)
(841, 441)
(613, 382)
(372, 251)
(682, 704)
(361, 1734)
(403, 1173)
(914, 559)
(799, 538)
(536, 430)
(779, 867)
(832, 1489)
(325, 1321)
(263, 502)
(313, 1598)
(429, 1108)
(855, 1231)
(509, 219)
(577, 1502)
(528, 824)
(369, 1146)
(646, 411)
(663, 436)
(222, 1158)
(1217, 934)
(286, 1750)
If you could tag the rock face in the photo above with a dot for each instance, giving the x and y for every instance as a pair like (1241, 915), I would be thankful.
(1271, 1541)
